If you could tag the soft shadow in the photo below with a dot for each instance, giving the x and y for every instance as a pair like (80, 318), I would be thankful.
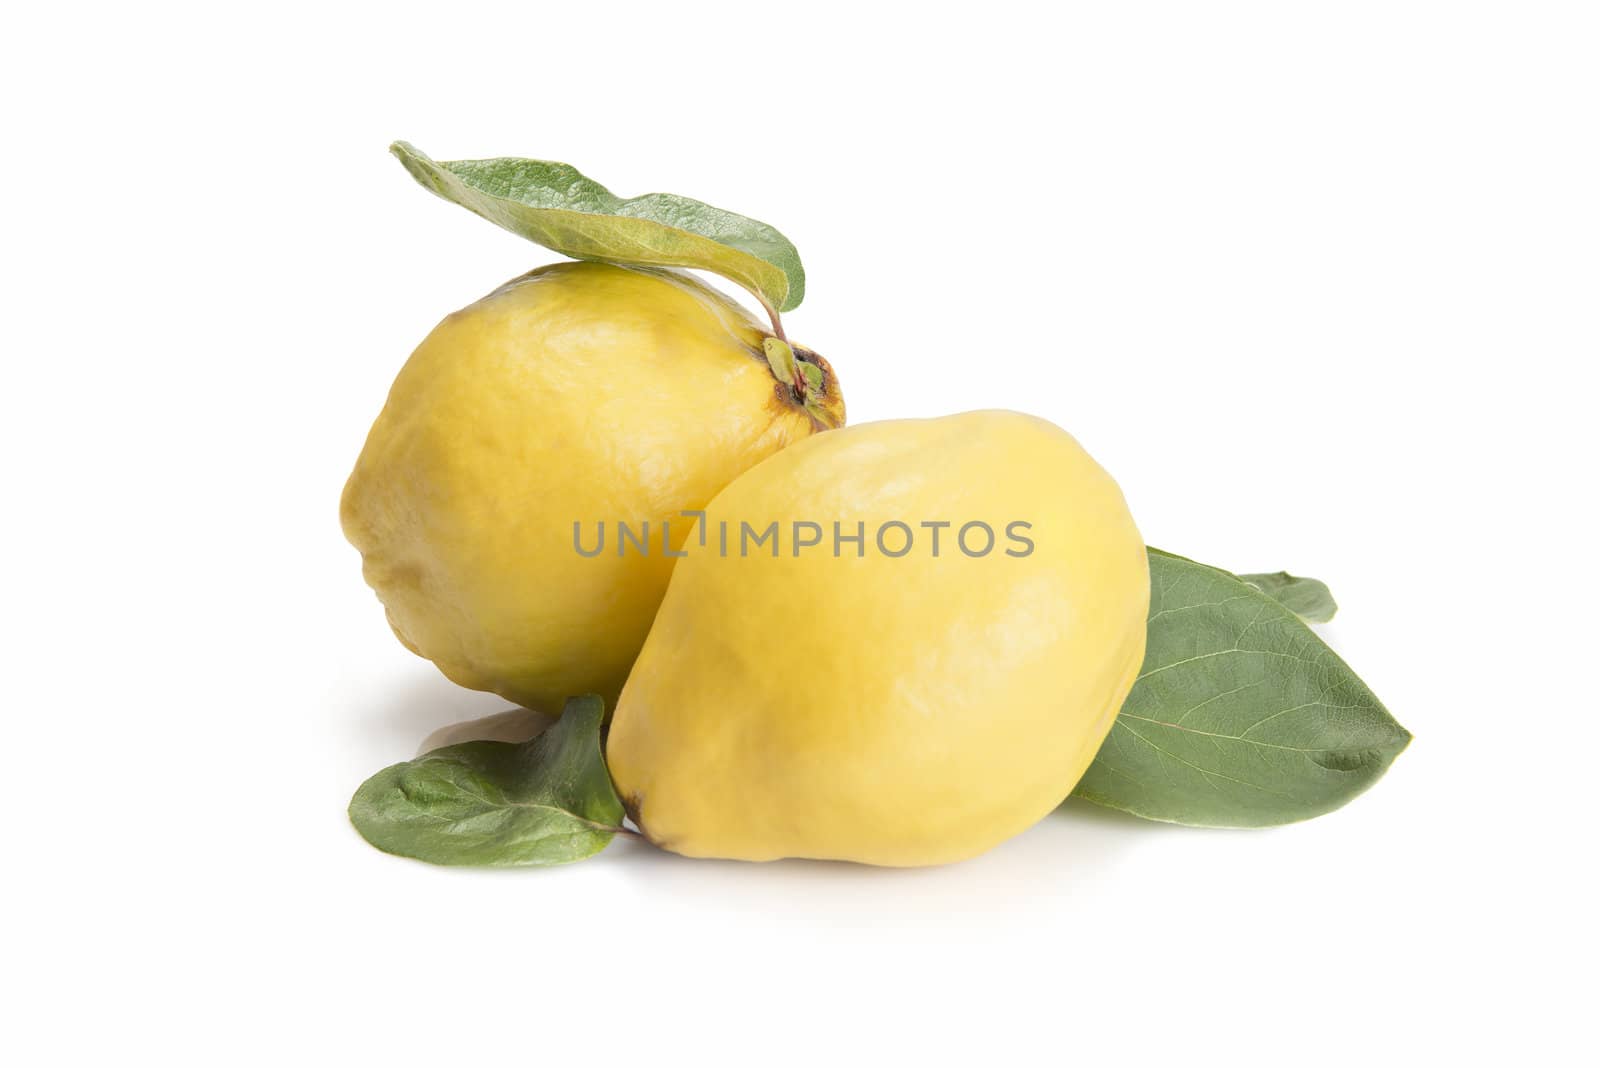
(419, 706)
(512, 725)
(1074, 847)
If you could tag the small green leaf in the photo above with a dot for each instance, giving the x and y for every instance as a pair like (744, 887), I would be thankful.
(813, 375)
(540, 802)
(556, 206)
(1241, 716)
(1308, 598)
(780, 357)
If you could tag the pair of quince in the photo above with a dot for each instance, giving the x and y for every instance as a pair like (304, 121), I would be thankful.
(874, 680)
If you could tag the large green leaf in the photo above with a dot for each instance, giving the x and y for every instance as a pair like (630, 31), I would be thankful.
(1307, 598)
(540, 802)
(556, 206)
(1241, 716)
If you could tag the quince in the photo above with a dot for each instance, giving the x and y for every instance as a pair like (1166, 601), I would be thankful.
(578, 395)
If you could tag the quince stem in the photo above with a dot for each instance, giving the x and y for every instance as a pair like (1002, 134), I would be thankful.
(772, 313)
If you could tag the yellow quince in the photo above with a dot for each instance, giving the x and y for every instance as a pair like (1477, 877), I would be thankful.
(580, 395)
(920, 664)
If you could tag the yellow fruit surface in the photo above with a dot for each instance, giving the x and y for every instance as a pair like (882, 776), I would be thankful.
(895, 711)
(579, 393)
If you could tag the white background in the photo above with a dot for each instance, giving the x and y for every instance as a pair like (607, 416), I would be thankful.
(1317, 283)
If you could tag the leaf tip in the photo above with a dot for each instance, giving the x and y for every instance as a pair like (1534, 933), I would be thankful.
(584, 707)
(405, 152)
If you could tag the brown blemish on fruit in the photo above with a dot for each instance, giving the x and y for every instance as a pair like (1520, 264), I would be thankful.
(822, 401)
(632, 805)
(826, 404)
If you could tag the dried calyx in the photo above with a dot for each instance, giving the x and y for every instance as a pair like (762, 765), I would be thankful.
(807, 381)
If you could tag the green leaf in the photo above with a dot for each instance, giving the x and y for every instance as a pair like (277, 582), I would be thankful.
(780, 357)
(813, 376)
(557, 207)
(1241, 716)
(1307, 598)
(540, 802)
